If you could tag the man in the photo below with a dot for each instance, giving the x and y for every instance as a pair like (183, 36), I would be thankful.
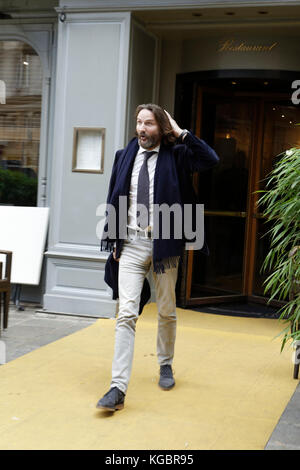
(153, 169)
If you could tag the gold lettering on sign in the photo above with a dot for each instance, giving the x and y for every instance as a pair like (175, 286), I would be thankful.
(231, 45)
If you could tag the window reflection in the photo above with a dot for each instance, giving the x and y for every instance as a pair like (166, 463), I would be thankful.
(20, 118)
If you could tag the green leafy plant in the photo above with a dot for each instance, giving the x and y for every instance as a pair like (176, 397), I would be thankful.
(17, 188)
(280, 203)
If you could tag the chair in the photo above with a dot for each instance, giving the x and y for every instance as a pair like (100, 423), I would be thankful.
(5, 287)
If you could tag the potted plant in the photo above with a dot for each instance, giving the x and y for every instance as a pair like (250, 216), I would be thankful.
(280, 203)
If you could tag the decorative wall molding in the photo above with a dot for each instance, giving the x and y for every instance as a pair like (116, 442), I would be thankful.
(113, 5)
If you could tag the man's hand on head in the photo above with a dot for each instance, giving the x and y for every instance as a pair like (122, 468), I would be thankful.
(176, 129)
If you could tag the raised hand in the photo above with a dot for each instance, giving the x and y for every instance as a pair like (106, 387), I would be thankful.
(176, 129)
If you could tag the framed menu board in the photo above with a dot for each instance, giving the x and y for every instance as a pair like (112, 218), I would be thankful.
(88, 149)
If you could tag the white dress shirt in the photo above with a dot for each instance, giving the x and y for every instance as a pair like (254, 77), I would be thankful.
(134, 184)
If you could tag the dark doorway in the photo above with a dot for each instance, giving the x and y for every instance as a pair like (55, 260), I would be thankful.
(249, 121)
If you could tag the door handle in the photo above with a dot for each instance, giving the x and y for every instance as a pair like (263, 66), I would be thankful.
(226, 213)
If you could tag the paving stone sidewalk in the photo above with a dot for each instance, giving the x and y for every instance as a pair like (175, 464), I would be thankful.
(30, 329)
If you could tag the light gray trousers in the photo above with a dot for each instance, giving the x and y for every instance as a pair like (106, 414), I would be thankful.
(135, 262)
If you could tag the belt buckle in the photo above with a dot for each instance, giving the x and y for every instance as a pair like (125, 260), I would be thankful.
(134, 234)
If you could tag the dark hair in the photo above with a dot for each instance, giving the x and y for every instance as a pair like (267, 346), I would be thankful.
(162, 120)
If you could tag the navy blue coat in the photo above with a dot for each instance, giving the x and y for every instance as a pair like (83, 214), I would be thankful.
(172, 184)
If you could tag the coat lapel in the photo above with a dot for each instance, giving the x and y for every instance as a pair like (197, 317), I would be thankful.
(166, 182)
(126, 165)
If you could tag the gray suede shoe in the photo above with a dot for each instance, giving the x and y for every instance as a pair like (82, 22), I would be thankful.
(113, 400)
(166, 379)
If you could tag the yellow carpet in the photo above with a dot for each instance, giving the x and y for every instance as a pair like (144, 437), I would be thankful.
(232, 385)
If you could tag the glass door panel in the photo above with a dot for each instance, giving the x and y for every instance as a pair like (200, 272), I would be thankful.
(21, 83)
(224, 194)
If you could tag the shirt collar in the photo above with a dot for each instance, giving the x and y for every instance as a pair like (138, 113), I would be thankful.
(142, 150)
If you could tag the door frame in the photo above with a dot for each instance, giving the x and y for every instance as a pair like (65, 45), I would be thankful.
(195, 79)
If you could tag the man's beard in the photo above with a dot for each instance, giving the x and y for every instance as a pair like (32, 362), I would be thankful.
(149, 141)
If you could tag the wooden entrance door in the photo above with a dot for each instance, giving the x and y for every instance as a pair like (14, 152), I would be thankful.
(248, 132)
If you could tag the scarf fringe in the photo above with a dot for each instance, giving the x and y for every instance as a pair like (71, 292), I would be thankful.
(166, 263)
